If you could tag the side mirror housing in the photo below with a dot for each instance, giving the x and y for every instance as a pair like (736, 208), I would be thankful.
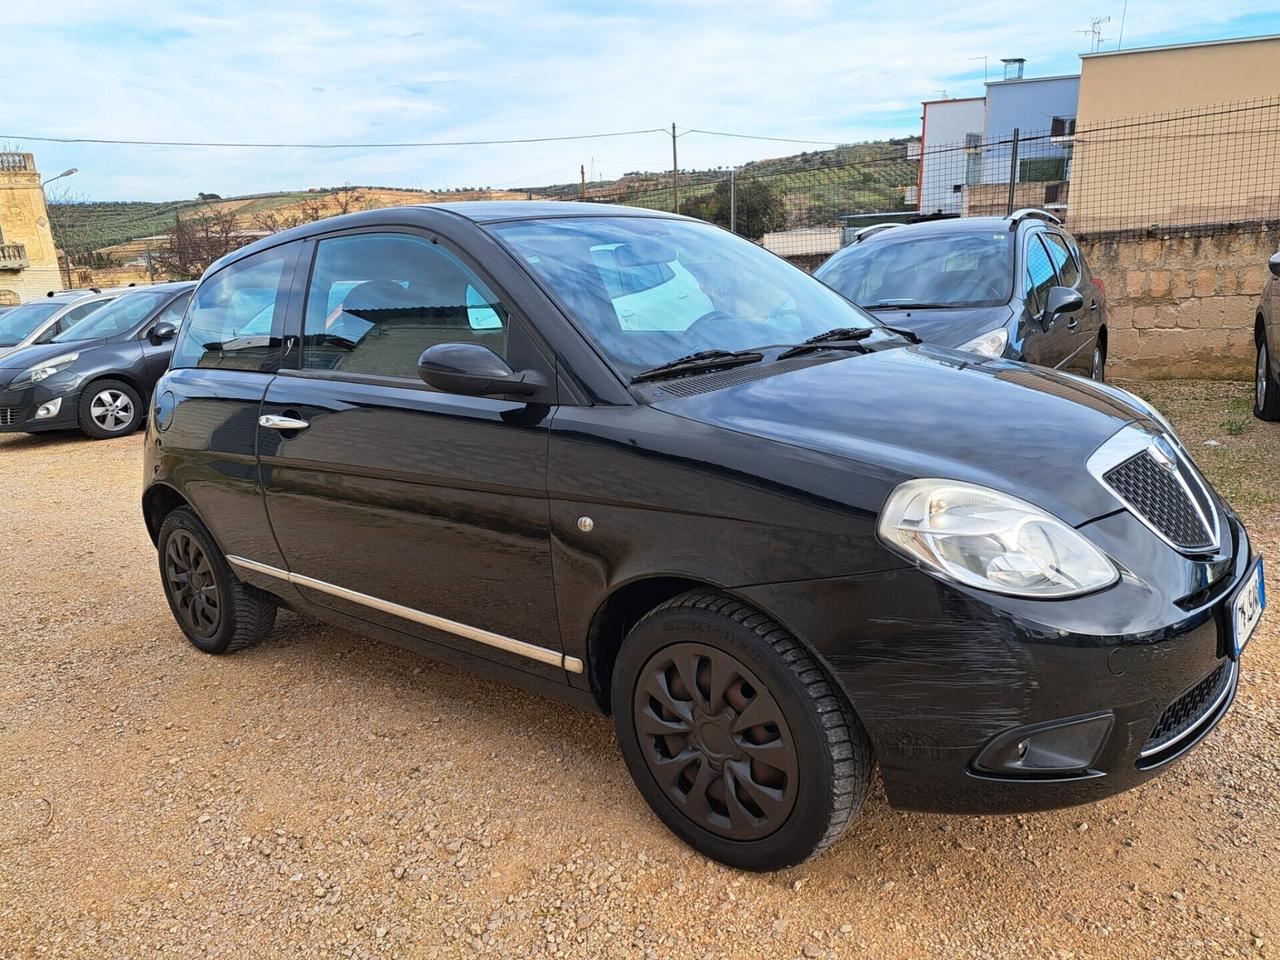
(1274, 264)
(162, 331)
(473, 370)
(1061, 300)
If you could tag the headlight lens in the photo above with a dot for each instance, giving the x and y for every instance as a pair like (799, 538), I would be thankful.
(992, 541)
(45, 369)
(989, 344)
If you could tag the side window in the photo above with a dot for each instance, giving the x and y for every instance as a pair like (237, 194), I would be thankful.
(1040, 275)
(70, 319)
(1068, 269)
(377, 300)
(232, 319)
(174, 312)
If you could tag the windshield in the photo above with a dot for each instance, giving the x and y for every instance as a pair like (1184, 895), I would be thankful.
(126, 311)
(951, 270)
(17, 323)
(648, 291)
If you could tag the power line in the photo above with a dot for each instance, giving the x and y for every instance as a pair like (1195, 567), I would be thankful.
(748, 136)
(330, 146)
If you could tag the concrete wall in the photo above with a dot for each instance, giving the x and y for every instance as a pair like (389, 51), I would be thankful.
(24, 220)
(1030, 106)
(944, 163)
(1182, 306)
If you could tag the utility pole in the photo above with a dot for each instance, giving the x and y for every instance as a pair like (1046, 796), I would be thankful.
(733, 200)
(675, 174)
(582, 191)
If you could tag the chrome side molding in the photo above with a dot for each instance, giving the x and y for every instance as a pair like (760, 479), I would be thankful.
(486, 637)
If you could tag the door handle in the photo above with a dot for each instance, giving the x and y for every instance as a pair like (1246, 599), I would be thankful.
(1093, 307)
(282, 423)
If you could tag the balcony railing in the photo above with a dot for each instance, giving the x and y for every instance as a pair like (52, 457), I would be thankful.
(13, 256)
(18, 162)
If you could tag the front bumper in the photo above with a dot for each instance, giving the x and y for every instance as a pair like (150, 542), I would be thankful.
(949, 682)
(18, 407)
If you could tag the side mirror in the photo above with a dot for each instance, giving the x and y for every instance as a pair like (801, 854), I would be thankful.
(1061, 300)
(1274, 264)
(162, 331)
(473, 370)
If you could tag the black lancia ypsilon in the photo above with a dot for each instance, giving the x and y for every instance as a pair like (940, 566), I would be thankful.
(641, 464)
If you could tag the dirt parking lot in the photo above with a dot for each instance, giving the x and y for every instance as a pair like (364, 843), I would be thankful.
(326, 796)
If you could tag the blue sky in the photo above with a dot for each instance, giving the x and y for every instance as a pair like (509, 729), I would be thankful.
(395, 70)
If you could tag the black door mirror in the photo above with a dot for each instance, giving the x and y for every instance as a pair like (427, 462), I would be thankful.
(474, 370)
(162, 331)
(1060, 301)
(1274, 264)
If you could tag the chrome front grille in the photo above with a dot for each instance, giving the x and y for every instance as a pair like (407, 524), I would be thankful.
(1156, 493)
(8, 416)
(1185, 715)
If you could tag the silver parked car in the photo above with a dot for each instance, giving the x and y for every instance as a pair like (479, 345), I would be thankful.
(39, 321)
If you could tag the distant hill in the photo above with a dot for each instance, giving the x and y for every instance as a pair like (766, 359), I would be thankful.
(815, 186)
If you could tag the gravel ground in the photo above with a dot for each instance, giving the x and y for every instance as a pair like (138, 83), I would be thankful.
(326, 796)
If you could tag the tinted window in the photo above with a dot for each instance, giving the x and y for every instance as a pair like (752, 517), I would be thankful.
(647, 291)
(949, 270)
(1068, 271)
(119, 316)
(1040, 275)
(231, 321)
(376, 301)
(175, 311)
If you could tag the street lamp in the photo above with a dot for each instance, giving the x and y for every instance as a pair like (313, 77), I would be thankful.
(64, 173)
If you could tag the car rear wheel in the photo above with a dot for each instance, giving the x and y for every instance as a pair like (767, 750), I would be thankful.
(109, 408)
(735, 735)
(217, 612)
(1098, 369)
(1266, 392)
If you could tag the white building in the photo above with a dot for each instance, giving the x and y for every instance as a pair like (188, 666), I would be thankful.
(950, 135)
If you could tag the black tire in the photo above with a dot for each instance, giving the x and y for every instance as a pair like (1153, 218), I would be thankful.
(1266, 391)
(813, 793)
(217, 612)
(1098, 366)
(109, 408)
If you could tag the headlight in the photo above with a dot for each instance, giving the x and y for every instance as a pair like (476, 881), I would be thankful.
(990, 344)
(991, 541)
(45, 369)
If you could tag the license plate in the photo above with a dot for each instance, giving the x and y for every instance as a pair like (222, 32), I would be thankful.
(1247, 607)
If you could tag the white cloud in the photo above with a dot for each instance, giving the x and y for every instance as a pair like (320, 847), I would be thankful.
(350, 71)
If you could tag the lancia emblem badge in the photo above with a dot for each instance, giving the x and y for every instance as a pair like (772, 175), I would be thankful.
(1161, 451)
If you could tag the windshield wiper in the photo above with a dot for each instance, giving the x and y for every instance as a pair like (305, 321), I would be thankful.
(907, 305)
(908, 335)
(840, 338)
(699, 362)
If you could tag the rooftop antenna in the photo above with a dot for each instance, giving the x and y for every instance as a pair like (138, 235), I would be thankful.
(1124, 11)
(1094, 33)
(984, 67)
(943, 94)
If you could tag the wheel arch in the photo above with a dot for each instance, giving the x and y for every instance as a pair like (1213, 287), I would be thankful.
(158, 501)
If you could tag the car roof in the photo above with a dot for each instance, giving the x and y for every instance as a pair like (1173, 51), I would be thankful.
(72, 296)
(432, 214)
(952, 226)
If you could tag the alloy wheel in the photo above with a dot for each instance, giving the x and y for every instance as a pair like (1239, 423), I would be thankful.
(192, 584)
(716, 741)
(112, 410)
(1098, 360)
(1262, 374)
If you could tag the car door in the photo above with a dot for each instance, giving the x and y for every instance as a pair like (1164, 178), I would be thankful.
(395, 503)
(1081, 325)
(206, 408)
(156, 356)
(1045, 343)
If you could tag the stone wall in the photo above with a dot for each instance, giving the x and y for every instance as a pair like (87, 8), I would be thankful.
(1182, 306)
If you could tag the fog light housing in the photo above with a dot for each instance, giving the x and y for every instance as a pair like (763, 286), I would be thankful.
(49, 409)
(1059, 747)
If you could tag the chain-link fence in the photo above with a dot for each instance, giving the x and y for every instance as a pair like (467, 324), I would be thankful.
(1200, 171)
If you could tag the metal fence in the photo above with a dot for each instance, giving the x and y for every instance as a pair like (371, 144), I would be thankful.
(1199, 171)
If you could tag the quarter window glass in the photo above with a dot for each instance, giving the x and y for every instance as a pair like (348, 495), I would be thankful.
(376, 301)
(233, 316)
(175, 311)
(1040, 275)
(1068, 271)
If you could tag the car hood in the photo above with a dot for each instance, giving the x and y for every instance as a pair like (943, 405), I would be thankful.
(949, 327)
(20, 359)
(927, 411)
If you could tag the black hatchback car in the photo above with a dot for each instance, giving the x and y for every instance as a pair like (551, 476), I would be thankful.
(1015, 287)
(96, 375)
(641, 464)
(1266, 336)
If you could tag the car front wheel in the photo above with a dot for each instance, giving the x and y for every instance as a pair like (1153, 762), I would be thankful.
(735, 735)
(1098, 369)
(1266, 392)
(109, 408)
